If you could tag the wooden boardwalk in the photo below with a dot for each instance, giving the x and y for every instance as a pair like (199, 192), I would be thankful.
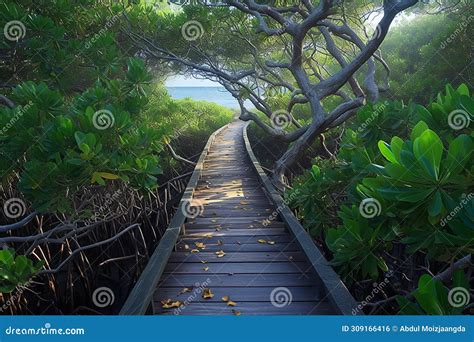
(234, 245)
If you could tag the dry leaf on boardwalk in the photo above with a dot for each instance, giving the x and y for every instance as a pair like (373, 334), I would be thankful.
(200, 245)
(207, 294)
(262, 241)
(185, 290)
(220, 253)
(170, 304)
(236, 312)
(205, 269)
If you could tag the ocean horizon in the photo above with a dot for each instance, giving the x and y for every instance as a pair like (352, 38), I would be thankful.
(217, 95)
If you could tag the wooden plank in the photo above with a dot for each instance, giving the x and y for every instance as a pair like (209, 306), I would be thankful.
(251, 308)
(238, 268)
(225, 239)
(142, 293)
(238, 257)
(237, 294)
(337, 292)
(189, 280)
(197, 232)
(246, 247)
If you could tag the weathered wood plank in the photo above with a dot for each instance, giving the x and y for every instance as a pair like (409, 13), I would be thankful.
(238, 294)
(252, 308)
(238, 280)
(238, 257)
(241, 268)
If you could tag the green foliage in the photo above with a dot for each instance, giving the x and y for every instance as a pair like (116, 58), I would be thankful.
(357, 245)
(432, 298)
(420, 175)
(15, 270)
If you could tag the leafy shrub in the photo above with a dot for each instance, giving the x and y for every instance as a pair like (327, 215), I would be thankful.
(15, 270)
(417, 165)
(432, 298)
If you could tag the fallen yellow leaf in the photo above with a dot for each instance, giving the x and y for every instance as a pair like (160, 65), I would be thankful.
(271, 242)
(185, 290)
(207, 294)
(206, 269)
(225, 298)
(244, 202)
(231, 303)
(194, 250)
(200, 245)
(203, 262)
(236, 312)
(220, 253)
(262, 241)
(169, 304)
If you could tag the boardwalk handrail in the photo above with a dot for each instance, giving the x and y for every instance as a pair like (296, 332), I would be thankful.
(142, 293)
(337, 292)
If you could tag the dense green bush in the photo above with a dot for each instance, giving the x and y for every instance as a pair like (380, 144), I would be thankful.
(402, 175)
